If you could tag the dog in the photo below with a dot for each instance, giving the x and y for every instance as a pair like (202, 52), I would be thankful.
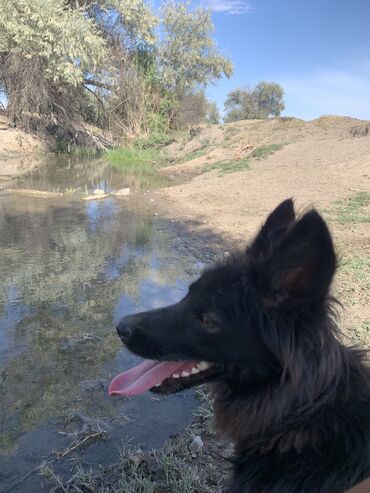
(260, 325)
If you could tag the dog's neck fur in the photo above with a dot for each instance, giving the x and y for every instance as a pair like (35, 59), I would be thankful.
(289, 441)
(321, 377)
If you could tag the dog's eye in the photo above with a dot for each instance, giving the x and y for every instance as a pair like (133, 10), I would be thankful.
(208, 324)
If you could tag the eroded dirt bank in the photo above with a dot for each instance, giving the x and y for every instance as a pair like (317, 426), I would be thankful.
(19, 152)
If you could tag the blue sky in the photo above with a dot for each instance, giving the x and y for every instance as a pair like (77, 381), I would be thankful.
(319, 50)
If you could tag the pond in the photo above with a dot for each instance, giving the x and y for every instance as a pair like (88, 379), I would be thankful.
(69, 271)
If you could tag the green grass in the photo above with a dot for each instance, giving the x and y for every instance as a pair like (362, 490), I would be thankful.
(154, 140)
(263, 151)
(205, 409)
(359, 268)
(132, 159)
(243, 164)
(191, 155)
(205, 146)
(228, 166)
(354, 273)
(360, 334)
(140, 166)
(350, 211)
(231, 132)
(172, 469)
(82, 152)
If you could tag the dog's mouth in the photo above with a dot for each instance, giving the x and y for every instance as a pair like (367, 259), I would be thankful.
(162, 377)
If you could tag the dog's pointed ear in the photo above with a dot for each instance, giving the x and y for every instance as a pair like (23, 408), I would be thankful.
(276, 225)
(300, 269)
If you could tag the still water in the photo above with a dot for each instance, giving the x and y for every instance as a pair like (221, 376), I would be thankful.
(69, 270)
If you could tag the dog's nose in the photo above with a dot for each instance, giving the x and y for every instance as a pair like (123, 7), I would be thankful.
(124, 331)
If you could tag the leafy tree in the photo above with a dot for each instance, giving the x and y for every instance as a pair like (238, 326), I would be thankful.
(53, 52)
(188, 56)
(188, 60)
(269, 99)
(212, 113)
(113, 63)
(240, 105)
(264, 101)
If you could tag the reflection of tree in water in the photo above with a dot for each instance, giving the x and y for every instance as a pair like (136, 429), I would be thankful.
(68, 268)
(77, 174)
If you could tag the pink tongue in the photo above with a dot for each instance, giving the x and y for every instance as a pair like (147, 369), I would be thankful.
(145, 376)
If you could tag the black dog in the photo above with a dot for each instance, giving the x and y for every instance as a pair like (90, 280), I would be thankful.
(261, 326)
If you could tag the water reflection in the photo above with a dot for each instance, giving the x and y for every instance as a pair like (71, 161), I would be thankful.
(69, 270)
(76, 176)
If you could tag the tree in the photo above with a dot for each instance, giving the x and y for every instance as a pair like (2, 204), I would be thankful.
(188, 60)
(212, 113)
(54, 52)
(240, 105)
(269, 99)
(112, 63)
(264, 101)
(188, 55)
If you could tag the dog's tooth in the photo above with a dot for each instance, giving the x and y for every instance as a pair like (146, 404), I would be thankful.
(158, 385)
(176, 375)
(203, 365)
(185, 374)
(194, 371)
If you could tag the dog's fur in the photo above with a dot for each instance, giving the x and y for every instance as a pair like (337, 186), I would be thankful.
(293, 398)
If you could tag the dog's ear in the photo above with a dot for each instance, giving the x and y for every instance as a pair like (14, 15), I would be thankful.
(301, 267)
(276, 225)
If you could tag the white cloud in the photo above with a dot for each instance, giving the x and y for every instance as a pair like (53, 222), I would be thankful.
(330, 92)
(231, 7)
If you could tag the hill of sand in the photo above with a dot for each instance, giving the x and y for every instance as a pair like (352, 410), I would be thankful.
(19, 152)
(324, 162)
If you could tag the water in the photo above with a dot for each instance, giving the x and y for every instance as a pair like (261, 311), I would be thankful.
(69, 270)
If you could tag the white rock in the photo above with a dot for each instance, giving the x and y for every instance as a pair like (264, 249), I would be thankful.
(98, 191)
(122, 192)
(196, 445)
(95, 197)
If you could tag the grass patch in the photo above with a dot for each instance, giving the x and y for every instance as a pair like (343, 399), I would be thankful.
(264, 151)
(354, 280)
(230, 132)
(191, 155)
(155, 140)
(359, 268)
(205, 410)
(140, 166)
(228, 166)
(206, 145)
(359, 334)
(82, 152)
(172, 469)
(350, 211)
(243, 164)
(132, 159)
(169, 471)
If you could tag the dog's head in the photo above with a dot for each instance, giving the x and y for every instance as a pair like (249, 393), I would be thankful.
(231, 322)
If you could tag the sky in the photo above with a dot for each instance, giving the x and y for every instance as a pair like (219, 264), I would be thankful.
(318, 50)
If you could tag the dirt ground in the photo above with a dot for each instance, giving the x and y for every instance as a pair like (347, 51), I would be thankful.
(233, 175)
(19, 152)
(320, 163)
(324, 163)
